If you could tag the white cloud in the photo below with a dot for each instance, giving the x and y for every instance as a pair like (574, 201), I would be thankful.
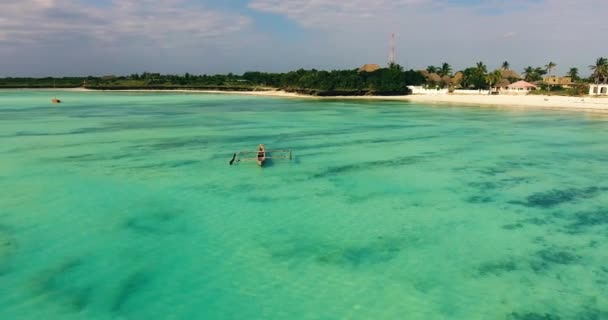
(164, 22)
(328, 13)
(121, 36)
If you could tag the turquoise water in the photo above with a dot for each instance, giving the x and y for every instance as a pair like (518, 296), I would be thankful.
(123, 206)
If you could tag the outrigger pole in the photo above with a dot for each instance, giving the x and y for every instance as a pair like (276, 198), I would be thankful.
(236, 156)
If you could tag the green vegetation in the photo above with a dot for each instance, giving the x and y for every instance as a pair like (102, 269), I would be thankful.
(385, 81)
(70, 82)
(534, 74)
(473, 77)
(493, 78)
(573, 74)
(549, 68)
(600, 70)
(575, 90)
(445, 70)
(392, 80)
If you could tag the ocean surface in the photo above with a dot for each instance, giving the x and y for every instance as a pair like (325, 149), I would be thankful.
(123, 206)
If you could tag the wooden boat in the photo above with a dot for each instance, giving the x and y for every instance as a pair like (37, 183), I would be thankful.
(55, 100)
(261, 157)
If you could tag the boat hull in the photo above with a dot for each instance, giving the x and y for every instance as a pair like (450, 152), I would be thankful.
(261, 155)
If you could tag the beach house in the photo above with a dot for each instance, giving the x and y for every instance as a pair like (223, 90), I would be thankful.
(565, 82)
(598, 89)
(519, 87)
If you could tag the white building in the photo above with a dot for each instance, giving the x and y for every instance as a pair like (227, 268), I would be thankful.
(424, 91)
(598, 89)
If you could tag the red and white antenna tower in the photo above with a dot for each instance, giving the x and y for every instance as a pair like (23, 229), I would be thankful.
(392, 56)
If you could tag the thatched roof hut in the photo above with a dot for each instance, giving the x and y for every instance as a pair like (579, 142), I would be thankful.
(370, 67)
(504, 83)
(509, 74)
(434, 77)
(447, 80)
(458, 76)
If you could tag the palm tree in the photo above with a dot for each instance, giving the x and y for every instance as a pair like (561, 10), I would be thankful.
(529, 73)
(505, 65)
(600, 69)
(445, 69)
(573, 74)
(481, 70)
(493, 78)
(431, 69)
(549, 68)
(395, 66)
(539, 73)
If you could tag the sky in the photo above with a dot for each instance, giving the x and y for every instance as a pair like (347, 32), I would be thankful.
(118, 37)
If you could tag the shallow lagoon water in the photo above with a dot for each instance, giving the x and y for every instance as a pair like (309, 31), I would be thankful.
(123, 206)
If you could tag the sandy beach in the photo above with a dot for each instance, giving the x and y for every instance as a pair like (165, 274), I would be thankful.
(532, 101)
(597, 104)
(535, 101)
(585, 103)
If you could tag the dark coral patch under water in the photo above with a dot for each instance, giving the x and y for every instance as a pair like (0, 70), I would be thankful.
(60, 285)
(592, 313)
(497, 268)
(536, 221)
(513, 226)
(480, 199)
(356, 256)
(558, 255)
(127, 289)
(498, 184)
(397, 162)
(156, 223)
(493, 171)
(484, 185)
(586, 313)
(532, 316)
(556, 197)
(584, 220)
(547, 258)
(377, 251)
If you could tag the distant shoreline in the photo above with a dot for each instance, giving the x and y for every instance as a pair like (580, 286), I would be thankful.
(586, 103)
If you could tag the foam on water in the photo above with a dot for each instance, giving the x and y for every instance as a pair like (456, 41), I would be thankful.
(123, 206)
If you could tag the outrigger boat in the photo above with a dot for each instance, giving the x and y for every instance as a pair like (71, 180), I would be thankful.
(55, 100)
(261, 155)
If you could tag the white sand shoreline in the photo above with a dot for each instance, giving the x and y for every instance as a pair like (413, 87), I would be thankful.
(586, 103)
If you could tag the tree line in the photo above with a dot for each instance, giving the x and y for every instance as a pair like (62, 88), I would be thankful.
(478, 76)
(392, 80)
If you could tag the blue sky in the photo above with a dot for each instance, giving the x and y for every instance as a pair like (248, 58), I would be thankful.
(99, 37)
